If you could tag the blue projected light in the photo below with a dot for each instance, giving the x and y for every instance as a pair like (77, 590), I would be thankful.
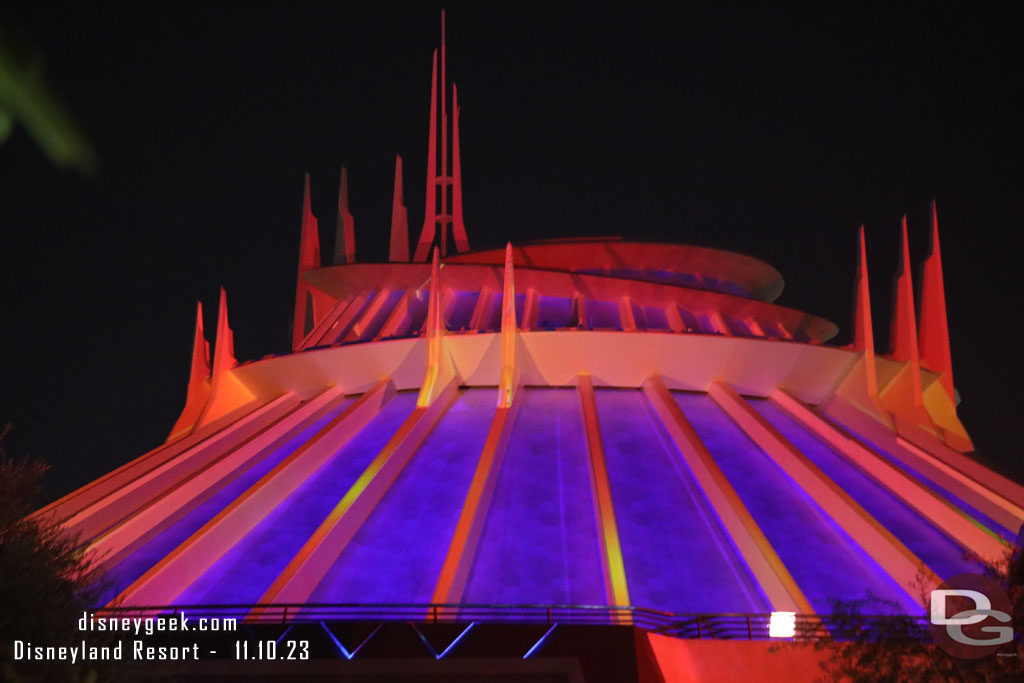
(540, 643)
(342, 650)
(451, 646)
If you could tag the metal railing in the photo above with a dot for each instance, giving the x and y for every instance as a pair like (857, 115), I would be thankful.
(724, 626)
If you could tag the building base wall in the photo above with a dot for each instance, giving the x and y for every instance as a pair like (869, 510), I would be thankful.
(725, 661)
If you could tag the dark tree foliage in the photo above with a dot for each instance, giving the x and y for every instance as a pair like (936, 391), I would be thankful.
(900, 649)
(44, 583)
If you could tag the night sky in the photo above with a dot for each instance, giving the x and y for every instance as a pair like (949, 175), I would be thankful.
(771, 132)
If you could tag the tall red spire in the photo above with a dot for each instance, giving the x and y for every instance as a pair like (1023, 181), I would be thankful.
(198, 380)
(200, 371)
(399, 251)
(440, 178)
(934, 328)
(444, 180)
(863, 335)
(905, 395)
(224, 346)
(903, 331)
(226, 392)
(458, 227)
(430, 206)
(309, 259)
(345, 235)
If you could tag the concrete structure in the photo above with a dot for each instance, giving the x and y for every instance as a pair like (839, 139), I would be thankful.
(596, 422)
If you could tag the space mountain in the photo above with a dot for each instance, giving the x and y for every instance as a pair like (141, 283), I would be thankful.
(589, 422)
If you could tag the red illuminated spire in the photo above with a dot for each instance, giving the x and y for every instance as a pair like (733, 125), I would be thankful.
(430, 207)
(432, 217)
(903, 332)
(200, 353)
(345, 235)
(399, 251)
(444, 180)
(226, 392)
(309, 259)
(458, 227)
(224, 347)
(863, 336)
(934, 328)
(198, 380)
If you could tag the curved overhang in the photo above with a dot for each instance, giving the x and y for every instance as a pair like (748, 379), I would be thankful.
(755, 367)
(347, 280)
(699, 267)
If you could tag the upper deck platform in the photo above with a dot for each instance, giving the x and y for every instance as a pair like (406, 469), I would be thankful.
(679, 264)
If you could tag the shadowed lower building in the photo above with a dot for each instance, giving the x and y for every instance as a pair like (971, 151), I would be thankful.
(593, 459)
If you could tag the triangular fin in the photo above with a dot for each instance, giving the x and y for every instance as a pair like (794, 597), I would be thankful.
(309, 259)
(399, 249)
(933, 337)
(345, 232)
(198, 392)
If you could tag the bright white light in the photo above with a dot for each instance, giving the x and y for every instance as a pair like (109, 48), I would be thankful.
(782, 625)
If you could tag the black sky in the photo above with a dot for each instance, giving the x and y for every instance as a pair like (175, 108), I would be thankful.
(774, 132)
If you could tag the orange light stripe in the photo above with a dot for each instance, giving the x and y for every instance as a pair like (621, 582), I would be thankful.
(130, 495)
(921, 499)
(855, 422)
(451, 581)
(78, 499)
(614, 567)
(188, 494)
(343, 506)
(165, 580)
(307, 567)
(769, 571)
(896, 559)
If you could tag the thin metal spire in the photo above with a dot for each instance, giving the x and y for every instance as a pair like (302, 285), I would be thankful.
(449, 213)
(444, 179)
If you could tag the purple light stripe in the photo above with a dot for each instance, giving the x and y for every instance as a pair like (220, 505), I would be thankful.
(823, 560)
(398, 552)
(139, 561)
(522, 554)
(245, 571)
(936, 549)
(664, 521)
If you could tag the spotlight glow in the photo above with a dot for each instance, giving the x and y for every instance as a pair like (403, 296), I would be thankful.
(782, 625)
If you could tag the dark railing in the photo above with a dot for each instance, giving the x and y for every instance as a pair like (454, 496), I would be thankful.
(734, 626)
